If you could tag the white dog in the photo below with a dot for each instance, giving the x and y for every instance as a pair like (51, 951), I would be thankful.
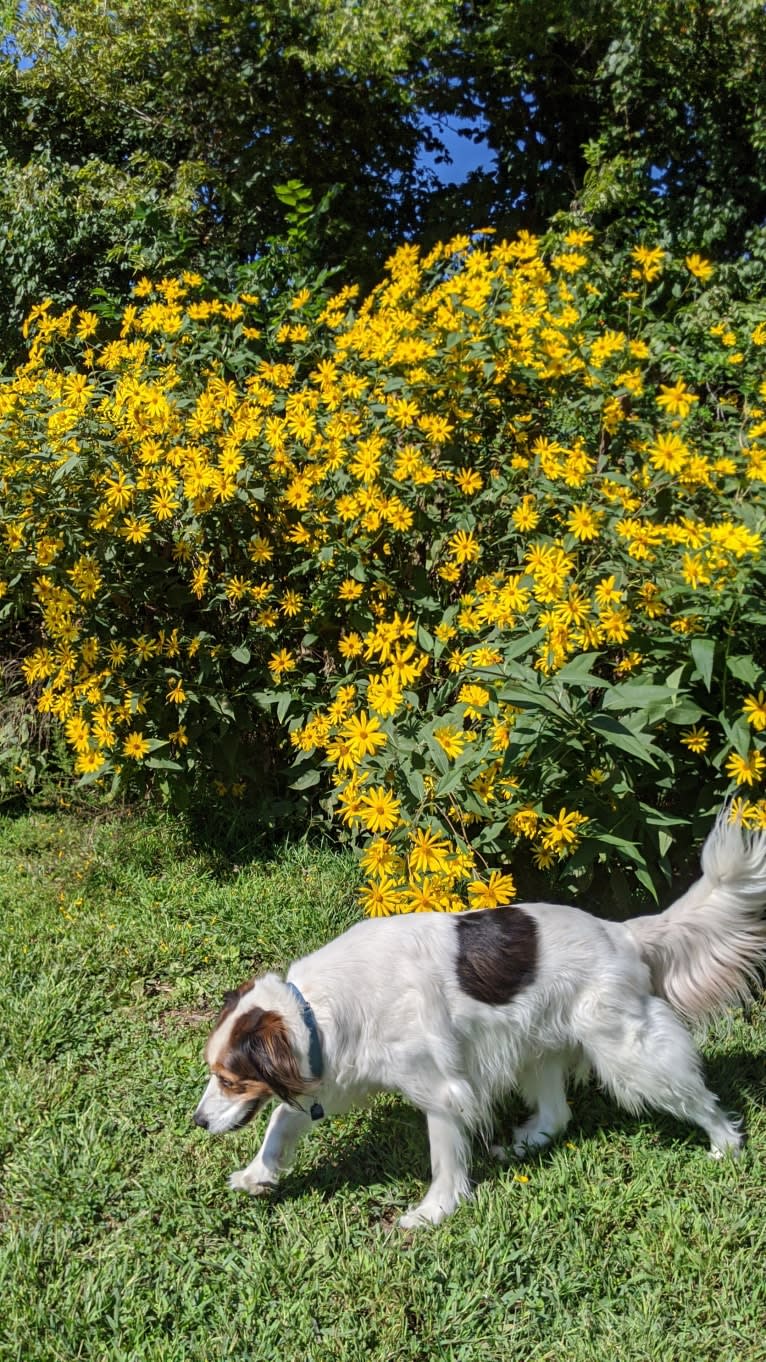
(454, 1011)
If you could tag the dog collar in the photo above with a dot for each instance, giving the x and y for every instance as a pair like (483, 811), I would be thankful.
(316, 1063)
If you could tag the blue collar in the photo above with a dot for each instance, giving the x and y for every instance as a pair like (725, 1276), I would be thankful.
(316, 1064)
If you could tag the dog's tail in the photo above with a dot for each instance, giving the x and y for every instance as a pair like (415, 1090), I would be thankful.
(705, 951)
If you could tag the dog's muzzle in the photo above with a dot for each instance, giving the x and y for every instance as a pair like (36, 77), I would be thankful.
(219, 1116)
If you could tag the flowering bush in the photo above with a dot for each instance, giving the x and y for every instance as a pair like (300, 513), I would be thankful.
(485, 551)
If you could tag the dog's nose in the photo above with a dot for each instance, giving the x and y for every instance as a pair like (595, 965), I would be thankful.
(200, 1120)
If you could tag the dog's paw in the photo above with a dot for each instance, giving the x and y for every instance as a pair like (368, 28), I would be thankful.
(244, 1181)
(499, 1152)
(432, 1210)
(728, 1142)
(414, 1219)
(734, 1150)
(527, 1139)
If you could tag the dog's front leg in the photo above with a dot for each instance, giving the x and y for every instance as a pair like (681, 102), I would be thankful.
(276, 1154)
(450, 1157)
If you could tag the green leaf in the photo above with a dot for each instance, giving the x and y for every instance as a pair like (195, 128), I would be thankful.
(415, 782)
(635, 695)
(72, 462)
(744, 669)
(703, 652)
(644, 878)
(617, 735)
(307, 780)
(665, 841)
(526, 698)
(578, 673)
(266, 698)
(241, 654)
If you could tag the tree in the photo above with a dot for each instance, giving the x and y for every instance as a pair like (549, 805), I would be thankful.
(140, 136)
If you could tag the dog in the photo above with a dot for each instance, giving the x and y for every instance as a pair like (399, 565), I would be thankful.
(453, 1011)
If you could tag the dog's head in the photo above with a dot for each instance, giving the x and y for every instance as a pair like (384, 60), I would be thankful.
(251, 1061)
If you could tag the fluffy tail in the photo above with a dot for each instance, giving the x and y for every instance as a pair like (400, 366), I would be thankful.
(706, 950)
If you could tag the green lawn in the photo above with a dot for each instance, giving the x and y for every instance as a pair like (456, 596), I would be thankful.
(120, 1239)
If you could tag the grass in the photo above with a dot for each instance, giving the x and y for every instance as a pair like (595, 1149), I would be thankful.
(121, 1242)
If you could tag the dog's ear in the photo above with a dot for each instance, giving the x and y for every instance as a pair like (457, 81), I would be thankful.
(230, 1000)
(260, 1050)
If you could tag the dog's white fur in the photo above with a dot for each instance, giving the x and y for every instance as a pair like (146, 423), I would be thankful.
(605, 996)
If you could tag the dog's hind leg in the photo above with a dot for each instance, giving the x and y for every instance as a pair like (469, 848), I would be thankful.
(542, 1086)
(450, 1156)
(285, 1128)
(648, 1058)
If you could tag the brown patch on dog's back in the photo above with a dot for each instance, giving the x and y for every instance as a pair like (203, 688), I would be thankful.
(497, 953)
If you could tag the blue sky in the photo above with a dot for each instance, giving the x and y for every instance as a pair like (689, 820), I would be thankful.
(466, 155)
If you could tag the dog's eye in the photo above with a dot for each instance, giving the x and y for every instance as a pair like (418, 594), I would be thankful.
(224, 1082)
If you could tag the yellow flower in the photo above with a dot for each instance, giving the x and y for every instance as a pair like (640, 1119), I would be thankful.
(745, 770)
(429, 853)
(451, 740)
(696, 739)
(176, 693)
(77, 733)
(701, 269)
(381, 899)
(136, 529)
(579, 236)
(164, 504)
(669, 453)
(583, 523)
(86, 578)
(571, 262)
(384, 694)
(615, 625)
(463, 547)
(754, 710)
(561, 832)
(650, 261)
(474, 698)
(606, 592)
(259, 549)
(524, 823)
(379, 859)
(291, 603)
(694, 570)
(379, 809)
(469, 481)
(135, 746)
(364, 735)
(300, 299)
(89, 762)
(678, 400)
(350, 590)
(525, 516)
(427, 895)
(280, 663)
(350, 646)
(492, 893)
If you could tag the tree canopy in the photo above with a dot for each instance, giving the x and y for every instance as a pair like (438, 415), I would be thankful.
(151, 135)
